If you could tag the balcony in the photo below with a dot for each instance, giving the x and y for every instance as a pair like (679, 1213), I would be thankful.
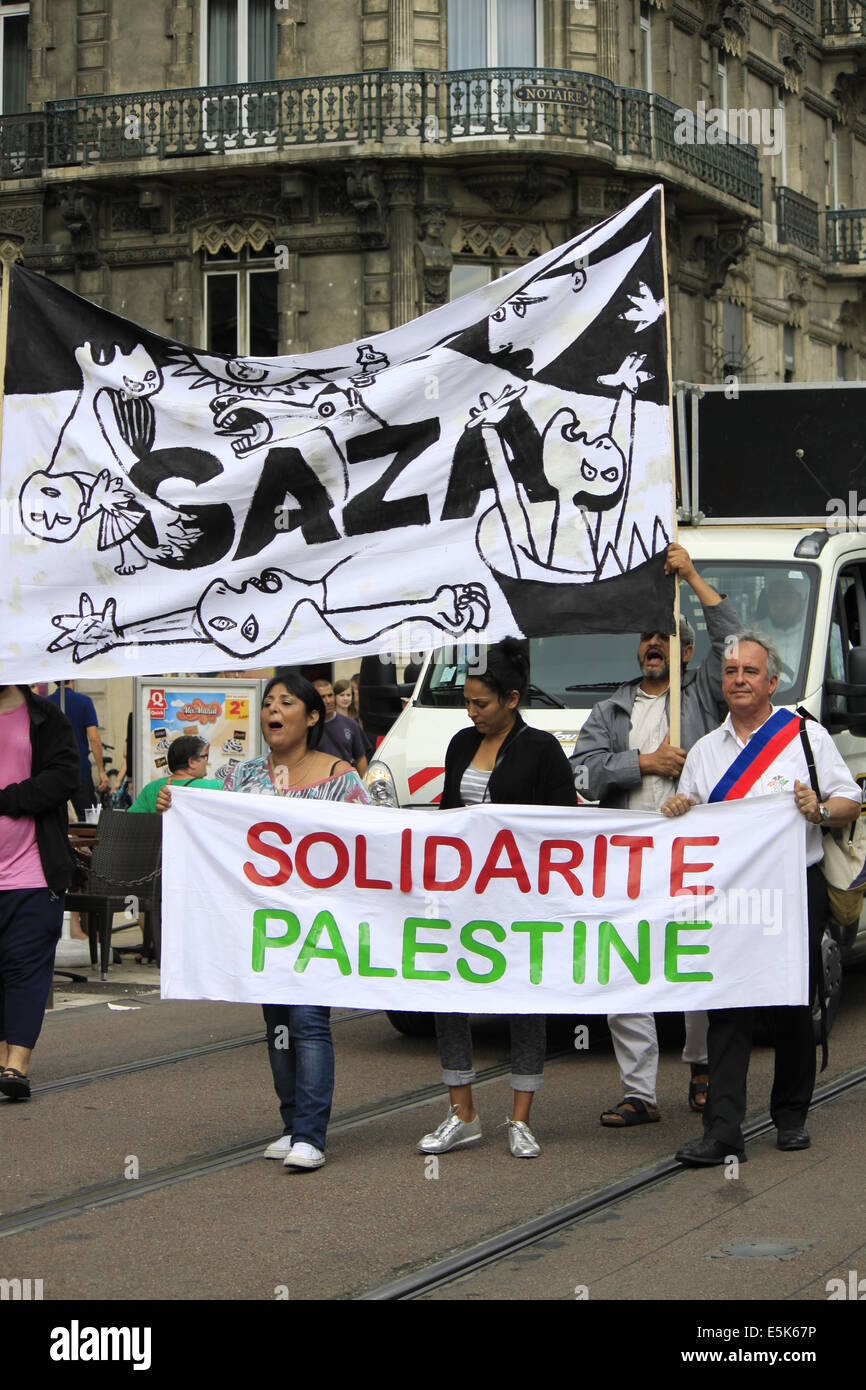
(797, 220)
(803, 9)
(22, 145)
(652, 126)
(845, 237)
(550, 110)
(843, 20)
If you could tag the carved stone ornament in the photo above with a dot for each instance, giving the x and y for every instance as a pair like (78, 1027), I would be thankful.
(23, 222)
(226, 200)
(729, 25)
(850, 92)
(295, 196)
(497, 239)
(366, 193)
(80, 213)
(213, 236)
(432, 257)
(852, 322)
(714, 247)
(515, 191)
(795, 284)
(792, 56)
(10, 248)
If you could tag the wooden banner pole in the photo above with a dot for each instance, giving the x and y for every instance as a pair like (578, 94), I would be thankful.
(675, 656)
(10, 250)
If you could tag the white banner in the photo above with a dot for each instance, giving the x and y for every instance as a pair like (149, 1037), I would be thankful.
(166, 508)
(495, 909)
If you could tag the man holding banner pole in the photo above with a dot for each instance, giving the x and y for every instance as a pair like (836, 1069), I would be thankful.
(757, 751)
(632, 762)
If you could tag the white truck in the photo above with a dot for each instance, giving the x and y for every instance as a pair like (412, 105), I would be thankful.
(770, 482)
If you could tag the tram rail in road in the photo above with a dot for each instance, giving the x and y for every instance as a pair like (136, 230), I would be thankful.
(466, 1262)
(185, 1054)
(110, 1194)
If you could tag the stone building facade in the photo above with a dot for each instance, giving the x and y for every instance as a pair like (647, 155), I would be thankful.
(283, 175)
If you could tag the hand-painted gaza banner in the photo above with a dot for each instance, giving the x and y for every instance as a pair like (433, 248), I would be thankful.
(167, 508)
(496, 909)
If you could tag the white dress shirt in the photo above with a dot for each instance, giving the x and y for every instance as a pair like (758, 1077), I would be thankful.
(713, 754)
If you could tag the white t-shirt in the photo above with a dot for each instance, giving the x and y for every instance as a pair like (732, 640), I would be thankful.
(713, 754)
(649, 724)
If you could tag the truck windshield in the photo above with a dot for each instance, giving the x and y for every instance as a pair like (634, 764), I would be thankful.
(774, 598)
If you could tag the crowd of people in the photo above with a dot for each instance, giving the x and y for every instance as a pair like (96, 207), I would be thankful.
(624, 759)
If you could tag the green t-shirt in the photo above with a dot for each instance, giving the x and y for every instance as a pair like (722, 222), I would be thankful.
(146, 799)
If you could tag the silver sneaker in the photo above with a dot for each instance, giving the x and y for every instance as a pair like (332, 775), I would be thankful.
(453, 1133)
(521, 1141)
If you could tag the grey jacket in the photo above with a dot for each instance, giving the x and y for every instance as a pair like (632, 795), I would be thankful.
(602, 747)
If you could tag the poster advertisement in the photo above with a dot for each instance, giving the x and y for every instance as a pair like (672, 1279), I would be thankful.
(225, 713)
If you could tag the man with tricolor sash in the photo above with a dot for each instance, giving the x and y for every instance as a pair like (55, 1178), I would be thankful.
(757, 752)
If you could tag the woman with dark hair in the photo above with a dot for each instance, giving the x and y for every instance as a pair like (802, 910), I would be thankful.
(300, 1047)
(501, 759)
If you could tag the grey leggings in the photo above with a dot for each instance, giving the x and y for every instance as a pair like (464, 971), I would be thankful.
(528, 1044)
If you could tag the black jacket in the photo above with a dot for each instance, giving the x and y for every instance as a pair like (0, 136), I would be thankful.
(53, 779)
(531, 769)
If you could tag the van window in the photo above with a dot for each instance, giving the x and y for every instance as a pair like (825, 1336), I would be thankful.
(574, 672)
(846, 632)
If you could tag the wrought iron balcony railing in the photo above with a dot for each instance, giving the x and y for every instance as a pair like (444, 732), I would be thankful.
(659, 129)
(845, 236)
(804, 9)
(434, 108)
(797, 220)
(359, 109)
(843, 19)
(22, 145)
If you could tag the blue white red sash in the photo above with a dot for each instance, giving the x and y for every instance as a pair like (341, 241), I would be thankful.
(760, 751)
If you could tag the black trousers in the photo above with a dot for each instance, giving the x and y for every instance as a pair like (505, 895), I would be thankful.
(31, 920)
(729, 1046)
(84, 797)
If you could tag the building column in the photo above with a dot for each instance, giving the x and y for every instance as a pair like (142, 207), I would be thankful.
(608, 55)
(401, 186)
(401, 35)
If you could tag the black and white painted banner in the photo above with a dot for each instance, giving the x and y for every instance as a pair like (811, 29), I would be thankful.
(501, 465)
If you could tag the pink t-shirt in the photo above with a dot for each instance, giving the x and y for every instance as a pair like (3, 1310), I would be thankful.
(20, 865)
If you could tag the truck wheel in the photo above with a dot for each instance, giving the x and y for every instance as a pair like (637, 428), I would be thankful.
(831, 959)
(413, 1025)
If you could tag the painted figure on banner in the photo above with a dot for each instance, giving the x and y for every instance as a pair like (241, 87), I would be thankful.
(515, 442)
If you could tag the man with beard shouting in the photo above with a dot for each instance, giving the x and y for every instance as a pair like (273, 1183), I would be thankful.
(624, 759)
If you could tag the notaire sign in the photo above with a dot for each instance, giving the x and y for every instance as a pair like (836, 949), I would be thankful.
(496, 909)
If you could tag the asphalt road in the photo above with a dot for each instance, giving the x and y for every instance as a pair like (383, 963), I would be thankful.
(207, 1218)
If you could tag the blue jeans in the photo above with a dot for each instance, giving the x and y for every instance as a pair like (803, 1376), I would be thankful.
(302, 1063)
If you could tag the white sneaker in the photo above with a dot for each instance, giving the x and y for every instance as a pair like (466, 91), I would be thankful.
(304, 1156)
(280, 1147)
